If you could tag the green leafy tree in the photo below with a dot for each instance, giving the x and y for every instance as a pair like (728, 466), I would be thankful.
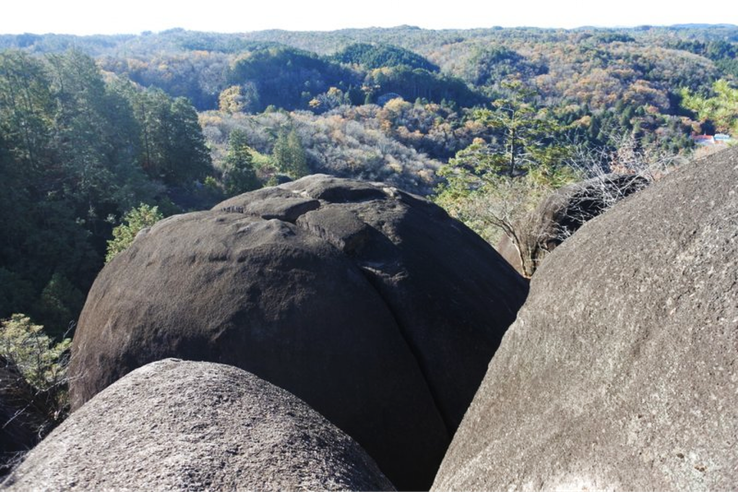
(289, 155)
(500, 205)
(34, 353)
(480, 192)
(492, 187)
(526, 136)
(173, 148)
(75, 149)
(493, 208)
(189, 153)
(96, 139)
(239, 175)
(67, 158)
(26, 107)
(133, 222)
(42, 363)
(721, 109)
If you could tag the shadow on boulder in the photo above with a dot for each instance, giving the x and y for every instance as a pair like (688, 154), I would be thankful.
(370, 304)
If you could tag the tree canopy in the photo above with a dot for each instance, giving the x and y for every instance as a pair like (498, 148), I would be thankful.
(74, 152)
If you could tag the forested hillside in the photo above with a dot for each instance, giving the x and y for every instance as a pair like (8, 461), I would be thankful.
(105, 133)
(77, 153)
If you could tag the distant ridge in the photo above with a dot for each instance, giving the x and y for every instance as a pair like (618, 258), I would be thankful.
(702, 26)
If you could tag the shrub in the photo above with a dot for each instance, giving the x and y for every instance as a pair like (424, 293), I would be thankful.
(33, 387)
(135, 220)
(42, 362)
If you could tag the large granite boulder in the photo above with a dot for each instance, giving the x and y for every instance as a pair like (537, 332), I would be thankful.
(176, 425)
(368, 303)
(621, 371)
(561, 214)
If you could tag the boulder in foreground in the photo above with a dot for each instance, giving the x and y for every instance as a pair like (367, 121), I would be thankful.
(621, 371)
(176, 425)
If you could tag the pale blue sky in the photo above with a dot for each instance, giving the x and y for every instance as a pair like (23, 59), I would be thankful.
(135, 16)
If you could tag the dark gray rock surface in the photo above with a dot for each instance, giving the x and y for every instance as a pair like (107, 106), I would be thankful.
(179, 425)
(562, 214)
(368, 303)
(621, 370)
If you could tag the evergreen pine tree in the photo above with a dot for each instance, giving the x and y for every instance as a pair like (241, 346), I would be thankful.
(289, 155)
(239, 175)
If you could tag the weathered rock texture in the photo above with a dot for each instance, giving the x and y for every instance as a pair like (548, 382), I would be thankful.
(621, 371)
(563, 213)
(176, 425)
(368, 303)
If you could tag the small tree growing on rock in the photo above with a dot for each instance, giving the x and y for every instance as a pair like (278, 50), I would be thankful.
(136, 219)
(33, 387)
(522, 214)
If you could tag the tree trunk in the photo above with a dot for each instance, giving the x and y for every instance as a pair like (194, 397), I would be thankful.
(512, 152)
